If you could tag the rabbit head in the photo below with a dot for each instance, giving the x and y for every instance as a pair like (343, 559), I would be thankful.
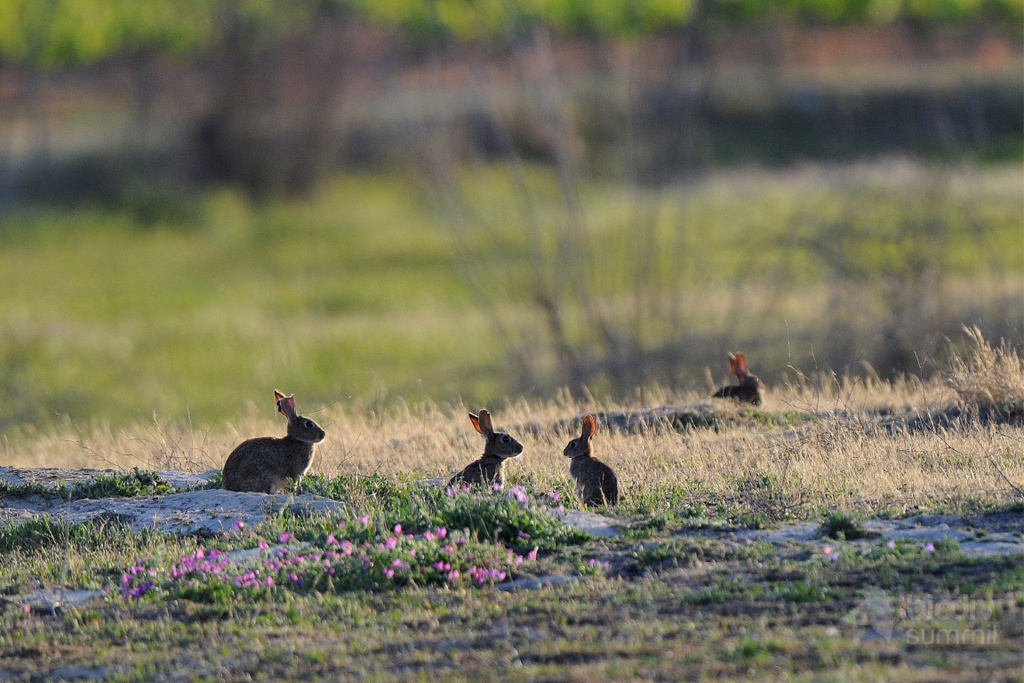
(299, 428)
(738, 366)
(596, 483)
(580, 446)
(498, 444)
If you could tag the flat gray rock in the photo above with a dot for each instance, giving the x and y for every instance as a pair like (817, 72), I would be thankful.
(206, 512)
(669, 418)
(54, 477)
(804, 531)
(80, 673)
(590, 522)
(53, 600)
(534, 583)
(924, 530)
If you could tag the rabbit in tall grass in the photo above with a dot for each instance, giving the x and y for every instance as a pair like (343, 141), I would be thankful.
(749, 390)
(270, 465)
(498, 448)
(595, 481)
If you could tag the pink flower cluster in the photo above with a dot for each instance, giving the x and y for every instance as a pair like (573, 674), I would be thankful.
(434, 555)
(199, 561)
(134, 583)
(484, 575)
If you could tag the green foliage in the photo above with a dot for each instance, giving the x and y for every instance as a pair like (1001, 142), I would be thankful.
(59, 32)
(52, 33)
(487, 18)
(128, 484)
(840, 527)
(686, 552)
(511, 516)
(799, 592)
(131, 484)
(484, 543)
(44, 533)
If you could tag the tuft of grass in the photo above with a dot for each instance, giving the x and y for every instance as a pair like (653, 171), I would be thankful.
(510, 515)
(687, 552)
(131, 484)
(840, 527)
(986, 377)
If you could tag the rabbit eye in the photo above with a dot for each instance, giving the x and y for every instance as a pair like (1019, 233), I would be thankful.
(309, 423)
(505, 438)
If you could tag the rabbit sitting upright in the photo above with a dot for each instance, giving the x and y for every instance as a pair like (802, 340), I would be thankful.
(498, 448)
(270, 465)
(595, 481)
(749, 390)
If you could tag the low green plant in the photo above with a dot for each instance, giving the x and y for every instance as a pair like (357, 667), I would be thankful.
(134, 483)
(356, 556)
(840, 527)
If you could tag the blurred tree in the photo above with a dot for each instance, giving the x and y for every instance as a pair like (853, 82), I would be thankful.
(276, 65)
(53, 33)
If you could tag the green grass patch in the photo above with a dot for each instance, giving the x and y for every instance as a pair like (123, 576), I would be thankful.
(841, 527)
(365, 290)
(404, 579)
(134, 483)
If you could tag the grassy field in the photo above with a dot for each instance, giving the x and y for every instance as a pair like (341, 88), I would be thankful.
(368, 294)
(402, 584)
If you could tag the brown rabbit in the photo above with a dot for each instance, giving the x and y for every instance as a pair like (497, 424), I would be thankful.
(267, 464)
(749, 390)
(595, 481)
(498, 448)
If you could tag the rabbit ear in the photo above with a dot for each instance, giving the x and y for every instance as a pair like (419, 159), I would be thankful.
(476, 423)
(485, 422)
(589, 426)
(285, 404)
(741, 364)
(733, 367)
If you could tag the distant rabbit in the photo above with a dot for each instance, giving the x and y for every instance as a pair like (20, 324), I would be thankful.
(498, 448)
(749, 390)
(595, 481)
(270, 465)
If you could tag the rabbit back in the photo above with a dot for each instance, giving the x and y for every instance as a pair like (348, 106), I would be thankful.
(485, 471)
(595, 481)
(750, 392)
(267, 464)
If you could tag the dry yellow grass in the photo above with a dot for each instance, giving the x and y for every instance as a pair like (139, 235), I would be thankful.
(988, 377)
(843, 457)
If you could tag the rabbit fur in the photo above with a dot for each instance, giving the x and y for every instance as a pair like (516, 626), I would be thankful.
(595, 481)
(270, 465)
(498, 447)
(750, 388)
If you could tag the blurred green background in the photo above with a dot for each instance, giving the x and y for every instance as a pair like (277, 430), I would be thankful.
(391, 202)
